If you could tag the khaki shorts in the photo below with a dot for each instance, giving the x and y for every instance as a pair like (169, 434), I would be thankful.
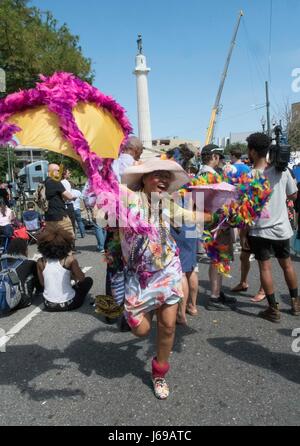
(64, 224)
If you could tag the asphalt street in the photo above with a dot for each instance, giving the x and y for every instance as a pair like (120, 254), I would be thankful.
(228, 368)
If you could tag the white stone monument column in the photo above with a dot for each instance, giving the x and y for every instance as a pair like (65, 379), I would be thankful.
(141, 72)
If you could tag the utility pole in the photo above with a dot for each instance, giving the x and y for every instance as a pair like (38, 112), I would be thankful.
(268, 110)
(263, 123)
(8, 164)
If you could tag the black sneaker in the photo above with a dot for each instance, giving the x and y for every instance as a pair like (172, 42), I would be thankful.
(216, 305)
(227, 300)
(110, 321)
(123, 326)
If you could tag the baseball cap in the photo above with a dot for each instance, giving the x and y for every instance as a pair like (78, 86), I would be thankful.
(211, 149)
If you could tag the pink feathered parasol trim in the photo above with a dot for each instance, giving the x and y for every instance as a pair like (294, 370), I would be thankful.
(61, 92)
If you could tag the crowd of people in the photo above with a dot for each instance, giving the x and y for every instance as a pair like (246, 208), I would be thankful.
(159, 274)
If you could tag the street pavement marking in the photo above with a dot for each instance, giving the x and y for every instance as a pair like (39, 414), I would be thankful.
(17, 328)
(36, 257)
(86, 269)
(20, 325)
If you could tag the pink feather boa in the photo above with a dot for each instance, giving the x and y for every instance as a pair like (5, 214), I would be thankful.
(61, 93)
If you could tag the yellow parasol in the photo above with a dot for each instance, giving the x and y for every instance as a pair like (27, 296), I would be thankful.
(40, 128)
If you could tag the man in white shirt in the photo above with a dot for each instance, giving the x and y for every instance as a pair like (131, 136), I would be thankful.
(69, 203)
(77, 210)
(90, 203)
(271, 233)
(131, 153)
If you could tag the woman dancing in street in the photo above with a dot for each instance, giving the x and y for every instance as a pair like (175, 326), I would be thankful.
(153, 279)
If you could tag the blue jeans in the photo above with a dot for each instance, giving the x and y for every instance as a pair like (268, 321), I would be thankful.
(6, 233)
(79, 222)
(100, 234)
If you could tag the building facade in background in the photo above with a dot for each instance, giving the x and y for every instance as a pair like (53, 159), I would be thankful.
(239, 137)
(296, 112)
(26, 155)
(294, 127)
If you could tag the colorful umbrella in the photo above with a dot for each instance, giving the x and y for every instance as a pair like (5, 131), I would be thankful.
(215, 195)
(63, 114)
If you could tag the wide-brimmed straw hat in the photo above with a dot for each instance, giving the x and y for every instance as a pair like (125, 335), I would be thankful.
(133, 175)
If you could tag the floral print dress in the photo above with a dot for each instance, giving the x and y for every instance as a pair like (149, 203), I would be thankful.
(154, 271)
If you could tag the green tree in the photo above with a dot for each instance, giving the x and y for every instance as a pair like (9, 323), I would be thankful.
(7, 163)
(294, 135)
(238, 145)
(291, 125)
(32, 43)
(293, 131)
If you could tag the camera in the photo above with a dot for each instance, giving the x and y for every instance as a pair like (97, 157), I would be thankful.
(279, 154)
(20, 189)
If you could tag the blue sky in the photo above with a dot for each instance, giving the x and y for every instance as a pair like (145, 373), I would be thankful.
(186, 44)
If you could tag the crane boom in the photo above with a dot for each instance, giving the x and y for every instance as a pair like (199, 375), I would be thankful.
(216, 107)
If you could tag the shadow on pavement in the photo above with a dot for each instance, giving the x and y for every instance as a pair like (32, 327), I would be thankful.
(89, 248)
(285, 332)
(295, 258)
(36, 302)
(246, 350)
(242, 306)
(26, 363)
(206, 287)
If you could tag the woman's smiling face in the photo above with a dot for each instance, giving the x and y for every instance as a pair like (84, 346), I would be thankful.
(158, 181)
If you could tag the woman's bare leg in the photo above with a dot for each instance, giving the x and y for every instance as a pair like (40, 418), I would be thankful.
(166, 325)
(181, 317)
(215, 281)
(193, 288)
(144, 328)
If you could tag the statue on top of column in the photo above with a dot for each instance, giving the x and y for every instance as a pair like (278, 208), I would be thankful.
(140, 44)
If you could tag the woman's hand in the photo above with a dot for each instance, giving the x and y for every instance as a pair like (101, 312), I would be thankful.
(204, 217)
(207, 217)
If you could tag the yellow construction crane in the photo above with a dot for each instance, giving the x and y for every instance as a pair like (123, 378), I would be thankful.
(216, 107)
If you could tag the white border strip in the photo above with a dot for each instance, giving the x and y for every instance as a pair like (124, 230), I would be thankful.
(17, 328)
(86, 269)
(20, 325)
